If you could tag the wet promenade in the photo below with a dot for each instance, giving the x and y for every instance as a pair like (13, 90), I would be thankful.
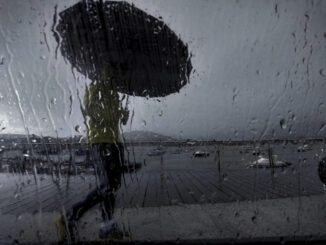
(170, 179)
(175, 184)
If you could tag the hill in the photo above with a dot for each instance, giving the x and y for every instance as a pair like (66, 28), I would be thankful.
(145, 136)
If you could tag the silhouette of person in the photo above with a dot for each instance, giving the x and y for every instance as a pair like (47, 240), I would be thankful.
(121, 49)
(103, 115)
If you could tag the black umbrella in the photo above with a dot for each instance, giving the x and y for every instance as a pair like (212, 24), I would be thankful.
(147, 57)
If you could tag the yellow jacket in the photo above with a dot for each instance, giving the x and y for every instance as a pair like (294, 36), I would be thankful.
(103, 112)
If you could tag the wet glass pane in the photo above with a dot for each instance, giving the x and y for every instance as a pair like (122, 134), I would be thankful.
(162, 120)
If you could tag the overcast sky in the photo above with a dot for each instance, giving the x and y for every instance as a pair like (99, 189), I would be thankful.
(259, 71)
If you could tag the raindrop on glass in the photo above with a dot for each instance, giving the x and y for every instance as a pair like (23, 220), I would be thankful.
(322, 72)
(283, 123)
(254, 219)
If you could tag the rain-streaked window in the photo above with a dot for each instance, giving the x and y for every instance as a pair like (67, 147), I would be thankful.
(165, 120)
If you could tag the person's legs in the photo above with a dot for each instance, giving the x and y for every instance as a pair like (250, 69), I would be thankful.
(80, 208)
(108, 160)
(68, 224)
(108, 205)
(113, 161)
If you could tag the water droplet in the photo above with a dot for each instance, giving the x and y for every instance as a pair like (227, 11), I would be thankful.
(21, 74)
(17, 195)
(282, 241)
(43, 57)
(235, 94)
(54, 101)
(2, 60)
(77, 127)
(224, 176)
(161, 113)
(322, 127)
(236, 133)
(254, 219)
(143, 123)
(322, 72)
(282, 123)
(39, 234)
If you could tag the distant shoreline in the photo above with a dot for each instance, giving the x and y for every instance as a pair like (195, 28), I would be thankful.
(225, 142)
(157, 140)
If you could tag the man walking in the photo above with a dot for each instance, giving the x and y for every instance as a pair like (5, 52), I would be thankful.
(103, 115)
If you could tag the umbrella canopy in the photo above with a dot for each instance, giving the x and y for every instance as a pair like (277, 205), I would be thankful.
(115, 39)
